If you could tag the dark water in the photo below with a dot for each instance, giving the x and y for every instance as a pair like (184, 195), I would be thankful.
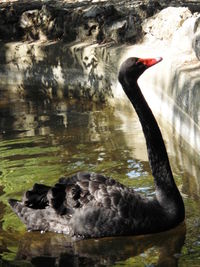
(39, 142)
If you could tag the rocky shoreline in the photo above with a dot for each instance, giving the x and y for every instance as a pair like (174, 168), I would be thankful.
(92, 21)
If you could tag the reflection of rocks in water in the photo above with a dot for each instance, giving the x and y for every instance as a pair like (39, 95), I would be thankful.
(16, 118)
(59, 250)
(23, 119)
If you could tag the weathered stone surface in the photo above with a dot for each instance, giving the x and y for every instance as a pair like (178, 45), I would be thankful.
(164, 25)
(70, 22)
(179, 73)
(51, 70)
(196, 39)
(99, 21)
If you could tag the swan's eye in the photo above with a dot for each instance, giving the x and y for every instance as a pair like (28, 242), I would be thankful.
(138, 63)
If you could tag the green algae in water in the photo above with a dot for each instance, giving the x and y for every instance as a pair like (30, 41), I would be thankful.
(148, 258)
(21, 167)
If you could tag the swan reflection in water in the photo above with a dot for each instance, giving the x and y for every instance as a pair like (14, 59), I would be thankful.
(59, 250)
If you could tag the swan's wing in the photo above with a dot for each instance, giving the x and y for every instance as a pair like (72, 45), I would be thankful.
(76, 192)
(87, 204)
(86, 189)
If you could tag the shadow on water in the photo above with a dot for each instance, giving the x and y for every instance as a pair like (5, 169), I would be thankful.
(58, 250)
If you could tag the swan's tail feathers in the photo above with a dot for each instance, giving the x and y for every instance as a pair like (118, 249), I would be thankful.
(30, 208)
(18, 207)
(37, 197)
(13, 203)
(40, 219)
(30, 217)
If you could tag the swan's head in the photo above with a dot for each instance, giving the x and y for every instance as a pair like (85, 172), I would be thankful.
(133, 67)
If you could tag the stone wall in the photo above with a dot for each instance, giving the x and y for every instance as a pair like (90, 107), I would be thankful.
(173, 85)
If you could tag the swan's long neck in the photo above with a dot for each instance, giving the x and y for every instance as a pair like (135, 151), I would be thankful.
(166, 190)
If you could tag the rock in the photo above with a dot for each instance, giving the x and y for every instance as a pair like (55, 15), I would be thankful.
(164, 24)
(94, 11)
(196, 39)
(184, 37)
(10, 29)
(196, 45)
(43, 24)
(81, 20)
(176, 26)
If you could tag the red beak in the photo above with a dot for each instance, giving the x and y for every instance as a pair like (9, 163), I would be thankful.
(150, 61)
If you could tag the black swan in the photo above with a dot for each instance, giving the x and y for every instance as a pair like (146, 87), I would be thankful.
(89, 205)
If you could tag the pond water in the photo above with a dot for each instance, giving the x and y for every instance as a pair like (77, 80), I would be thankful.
(41, 141)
